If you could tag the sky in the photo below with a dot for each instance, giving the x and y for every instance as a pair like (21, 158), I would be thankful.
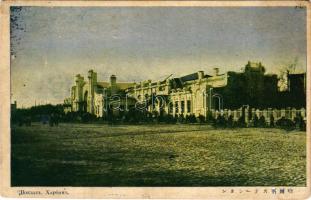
(139, 43)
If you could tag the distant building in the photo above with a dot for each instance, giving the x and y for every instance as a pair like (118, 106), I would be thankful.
(297, 83)
(295, 95)
(251, 87)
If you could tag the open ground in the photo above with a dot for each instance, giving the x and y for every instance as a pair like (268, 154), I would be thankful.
(156, 155)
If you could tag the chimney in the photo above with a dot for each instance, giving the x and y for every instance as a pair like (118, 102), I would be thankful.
(216, 71)
(90, 73)
(200, 74)
(113, 84)
(113, 80)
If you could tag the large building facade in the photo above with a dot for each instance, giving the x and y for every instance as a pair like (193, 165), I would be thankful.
(190, 94)
(193, 94)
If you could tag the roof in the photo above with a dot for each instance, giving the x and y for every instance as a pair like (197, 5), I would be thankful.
(189, 77)
(124, 86)
(176, 83)
(103, 84)
(121, 86)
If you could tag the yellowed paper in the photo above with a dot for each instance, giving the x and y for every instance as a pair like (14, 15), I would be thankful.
(155, 99)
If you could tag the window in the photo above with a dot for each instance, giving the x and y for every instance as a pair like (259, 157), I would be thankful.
(176, 107)
(182, 106)
(189, 106)
(171, 107)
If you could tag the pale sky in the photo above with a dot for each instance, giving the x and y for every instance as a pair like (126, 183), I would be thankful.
(146, 43)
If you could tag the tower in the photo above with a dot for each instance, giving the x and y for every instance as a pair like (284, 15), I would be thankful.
(92, 81)
(77, 93)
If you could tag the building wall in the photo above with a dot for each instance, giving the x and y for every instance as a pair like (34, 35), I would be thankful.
(191, 98)
(99, 104)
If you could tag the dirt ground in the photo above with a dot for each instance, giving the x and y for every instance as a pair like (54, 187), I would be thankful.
(156, 155)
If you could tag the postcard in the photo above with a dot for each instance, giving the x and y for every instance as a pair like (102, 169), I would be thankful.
(155, 99)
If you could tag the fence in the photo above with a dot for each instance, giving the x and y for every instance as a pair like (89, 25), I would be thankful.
(249, 114)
